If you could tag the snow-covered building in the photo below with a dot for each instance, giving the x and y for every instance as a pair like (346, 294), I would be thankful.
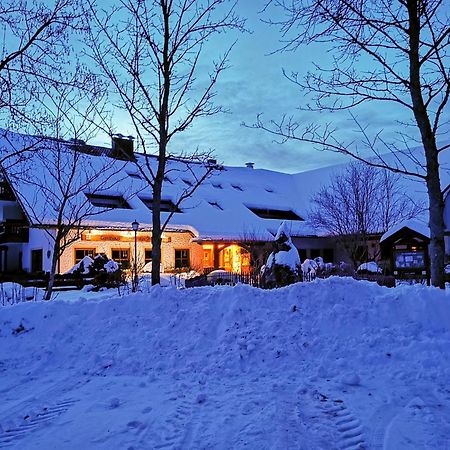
(232, 209)
(232, 212)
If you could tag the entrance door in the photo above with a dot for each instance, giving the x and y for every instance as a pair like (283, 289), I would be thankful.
(3, 259)
(36, 260)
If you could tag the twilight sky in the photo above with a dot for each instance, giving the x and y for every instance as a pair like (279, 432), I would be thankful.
(255, 84)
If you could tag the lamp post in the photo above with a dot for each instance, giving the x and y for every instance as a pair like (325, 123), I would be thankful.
(135, 226)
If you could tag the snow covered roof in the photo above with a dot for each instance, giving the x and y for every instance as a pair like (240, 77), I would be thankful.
(233, 203)
(413, 224)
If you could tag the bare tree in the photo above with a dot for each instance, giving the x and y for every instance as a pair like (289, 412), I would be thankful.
(34, 46)
(384, 52)
(359, 202)
(56, 173)
(151, 51)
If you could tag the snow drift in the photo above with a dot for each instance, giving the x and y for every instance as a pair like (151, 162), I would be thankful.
(263, 362)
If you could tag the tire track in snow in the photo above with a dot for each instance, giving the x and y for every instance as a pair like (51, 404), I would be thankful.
(348, 426)
(176, 430)
(10, 434)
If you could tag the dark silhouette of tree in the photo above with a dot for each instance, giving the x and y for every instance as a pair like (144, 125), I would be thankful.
(385, 52)
(152, 52)
(357, 203)
(35, 49)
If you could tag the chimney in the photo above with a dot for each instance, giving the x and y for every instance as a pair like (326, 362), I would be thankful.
(250, 165)
(122, 147)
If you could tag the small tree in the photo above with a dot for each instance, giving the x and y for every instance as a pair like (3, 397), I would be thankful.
(151, 52)
(358, 202)
(385, 52)
(283, 264)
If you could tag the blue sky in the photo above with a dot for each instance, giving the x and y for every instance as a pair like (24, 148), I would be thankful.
(255, 84)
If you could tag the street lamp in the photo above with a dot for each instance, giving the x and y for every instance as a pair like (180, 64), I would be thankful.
(135, 226)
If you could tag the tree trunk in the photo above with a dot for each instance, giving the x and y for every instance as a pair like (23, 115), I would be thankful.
(156, 232)
(435, 197)
(51, 280)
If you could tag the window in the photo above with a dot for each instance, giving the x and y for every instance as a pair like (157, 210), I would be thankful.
(237, 187)
(216, 205)
(303, 254)
(5, 191)
(182, 258)
(36, 260)
(165, 205)
(148, 255)
(121, 256)
(328, 255)
(280, 214)
(80, 253)
(108, 201)
(134, 175)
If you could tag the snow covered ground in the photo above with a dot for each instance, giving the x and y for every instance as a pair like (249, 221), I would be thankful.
(331, 364)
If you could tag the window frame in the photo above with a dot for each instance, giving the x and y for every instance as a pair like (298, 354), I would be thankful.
(182, 259)
(121, 202)
(84, 249)
(120, 261)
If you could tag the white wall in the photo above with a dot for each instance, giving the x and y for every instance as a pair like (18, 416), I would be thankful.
(38, 239)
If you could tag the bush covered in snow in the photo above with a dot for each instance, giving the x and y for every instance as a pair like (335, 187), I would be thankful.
(104, 271)
(369, 267)
(283, 264)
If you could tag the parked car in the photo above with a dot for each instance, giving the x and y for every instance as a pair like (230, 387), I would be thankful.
(221, 276)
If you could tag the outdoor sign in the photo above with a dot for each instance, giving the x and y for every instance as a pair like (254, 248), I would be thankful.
(410, 260)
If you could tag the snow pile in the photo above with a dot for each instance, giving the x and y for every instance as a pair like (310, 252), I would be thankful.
(309, 266)
(371, 267)
(82, 267)
(232, 367)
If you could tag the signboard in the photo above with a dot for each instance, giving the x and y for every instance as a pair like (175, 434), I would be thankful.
(410, 260)
(114, 238)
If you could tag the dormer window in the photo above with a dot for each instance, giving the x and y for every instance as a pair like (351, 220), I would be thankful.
(165, 205)
(237, 187)
(271, 213)
(108, 201)
(134, 175)
(217, 185)
(269, 189)
(216, 205)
